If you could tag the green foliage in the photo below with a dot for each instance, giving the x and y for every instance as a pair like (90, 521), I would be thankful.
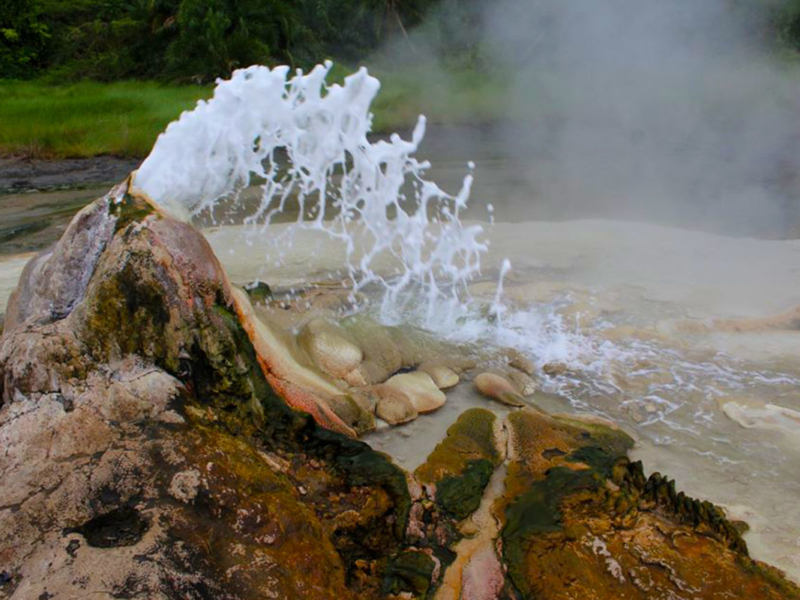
(23, 38)
(195, 40)
(198, 40)
(786, 23)
(217, 36)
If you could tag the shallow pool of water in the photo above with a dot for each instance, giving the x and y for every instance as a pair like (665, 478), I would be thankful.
(625, 310)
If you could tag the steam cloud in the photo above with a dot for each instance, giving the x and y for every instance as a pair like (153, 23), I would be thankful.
(671, 111)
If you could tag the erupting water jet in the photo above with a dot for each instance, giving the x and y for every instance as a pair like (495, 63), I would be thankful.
(372, 197)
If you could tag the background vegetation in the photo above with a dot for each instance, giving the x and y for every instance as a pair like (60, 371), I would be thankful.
(190, 40)
(82, 77)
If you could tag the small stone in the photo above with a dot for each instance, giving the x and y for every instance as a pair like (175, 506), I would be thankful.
(258, 291)
(355, 378)
(443, 376)
(329, 349)
(184, 485)
(554, 369)
(519, 361)
(394, 406)
(497, 388)
(365, 397)
(420, 389)
(525, 385)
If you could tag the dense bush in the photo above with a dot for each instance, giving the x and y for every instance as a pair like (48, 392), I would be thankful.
(198, 40)
(786, 23)
(23, 38)
(190, 39)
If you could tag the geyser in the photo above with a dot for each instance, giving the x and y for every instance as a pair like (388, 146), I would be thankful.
(372, 197)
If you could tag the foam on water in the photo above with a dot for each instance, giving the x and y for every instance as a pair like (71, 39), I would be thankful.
(308, 142)
(342, 182)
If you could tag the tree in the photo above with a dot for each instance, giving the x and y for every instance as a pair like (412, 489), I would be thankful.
(217, 36)
(23, 38)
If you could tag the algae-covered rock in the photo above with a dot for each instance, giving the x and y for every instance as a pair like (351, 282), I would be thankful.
(352, 413)
(411, 572)
(459, 468)
(580, 521)
(258, 291)
(146, 453)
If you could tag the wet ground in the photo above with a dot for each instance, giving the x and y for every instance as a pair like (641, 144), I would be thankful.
(626, 311)
(25, 175)
(38, 198)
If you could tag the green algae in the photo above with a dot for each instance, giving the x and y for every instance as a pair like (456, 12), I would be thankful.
(461, 465)
(409, 572)
(129, 314)
(352, 414)
(538, 510)
(258, 292)
(471, 437)
(613, 441)
(461, 495)
(131, 209)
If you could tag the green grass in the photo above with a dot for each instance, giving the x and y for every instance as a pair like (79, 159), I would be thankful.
(444, 97)
(85, 119)
(88, 118)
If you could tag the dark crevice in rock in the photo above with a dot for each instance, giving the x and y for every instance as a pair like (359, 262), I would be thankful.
(123, 526)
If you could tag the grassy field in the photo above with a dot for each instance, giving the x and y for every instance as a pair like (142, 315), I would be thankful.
(88, 118)
(85, 119)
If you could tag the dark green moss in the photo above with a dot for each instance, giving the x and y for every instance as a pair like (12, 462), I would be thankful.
(258, 291)
(130, 314)
(471, 437)
(142, 297)
(352, 415)
(601, 459)
(409, 572)
(130, 210)
(365, 467)
(598, 433)
(461, 495)
(537, 512)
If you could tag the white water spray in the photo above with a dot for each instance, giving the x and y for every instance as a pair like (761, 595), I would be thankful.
(371, 196)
